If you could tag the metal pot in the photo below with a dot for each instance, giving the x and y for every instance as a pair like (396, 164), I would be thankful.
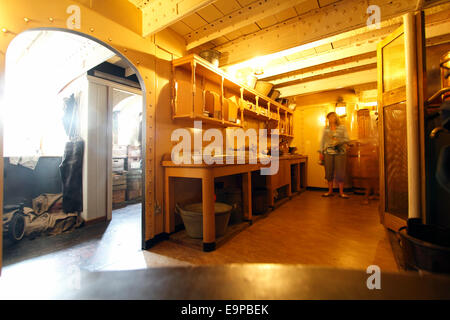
(263, 87)
(275, 94)
(211, 56)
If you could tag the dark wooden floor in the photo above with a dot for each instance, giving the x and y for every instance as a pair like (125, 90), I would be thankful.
(308, 230)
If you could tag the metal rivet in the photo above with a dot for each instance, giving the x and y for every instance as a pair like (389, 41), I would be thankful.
(26, 20)
(92, 29)
(109, 39)
(51, 19)
(4, 30)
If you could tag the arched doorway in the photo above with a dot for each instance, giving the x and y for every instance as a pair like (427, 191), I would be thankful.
(60, 62)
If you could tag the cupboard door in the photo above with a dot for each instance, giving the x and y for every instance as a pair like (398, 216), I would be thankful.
(398, 110)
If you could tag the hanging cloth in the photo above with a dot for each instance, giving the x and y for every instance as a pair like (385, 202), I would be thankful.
(443, 164)
(71, 170)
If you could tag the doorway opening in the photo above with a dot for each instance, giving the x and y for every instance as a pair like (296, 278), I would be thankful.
(70, 101)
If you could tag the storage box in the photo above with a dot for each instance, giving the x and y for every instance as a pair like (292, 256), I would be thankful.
(119, 179)
(119, 151)
(118, 165)
(134, 152)
(134, 163)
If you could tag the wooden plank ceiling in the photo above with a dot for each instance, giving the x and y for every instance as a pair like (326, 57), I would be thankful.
(323, 43)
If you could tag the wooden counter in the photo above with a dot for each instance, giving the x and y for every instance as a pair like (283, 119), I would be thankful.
(207, 174)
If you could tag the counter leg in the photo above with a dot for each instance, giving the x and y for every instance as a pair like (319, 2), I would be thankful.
(247, 196)
(209, 223)
(270, 199)
(169, 205)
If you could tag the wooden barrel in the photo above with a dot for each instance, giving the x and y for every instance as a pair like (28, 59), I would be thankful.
(363, 165)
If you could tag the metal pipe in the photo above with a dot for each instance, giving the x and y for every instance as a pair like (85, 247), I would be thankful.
(412, 116)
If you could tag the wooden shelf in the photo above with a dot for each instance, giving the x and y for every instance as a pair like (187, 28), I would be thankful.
(208, 120)
(254, 114)
(282, 135)
(195, 77)
(210, 71)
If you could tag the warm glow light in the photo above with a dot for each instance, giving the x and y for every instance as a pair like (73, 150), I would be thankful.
(368, 104)
(128, 120)
(322, 121)
(34, 75)
(341, 111)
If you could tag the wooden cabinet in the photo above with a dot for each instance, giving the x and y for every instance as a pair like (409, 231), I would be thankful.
(283, 180)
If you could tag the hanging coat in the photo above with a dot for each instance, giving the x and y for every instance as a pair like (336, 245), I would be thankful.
(71, 169)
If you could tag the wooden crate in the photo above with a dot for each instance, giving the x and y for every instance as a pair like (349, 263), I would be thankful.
(119, 196)
(134, 152)
(134, 184)
(134, 163)
(119, 179)
(118, 165)
(118, 187)
(119, 151)
(134, 194)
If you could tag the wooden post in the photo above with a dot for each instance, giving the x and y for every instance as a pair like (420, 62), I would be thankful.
(193, 70)
(209, 223)
(247, 195)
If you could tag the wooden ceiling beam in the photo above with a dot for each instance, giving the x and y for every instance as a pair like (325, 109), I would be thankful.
(321, 23)
(348, 80)
(158, 15)
(238, 19)
(325, 75)
(280, 78)
(355, 46)
(334, 55)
